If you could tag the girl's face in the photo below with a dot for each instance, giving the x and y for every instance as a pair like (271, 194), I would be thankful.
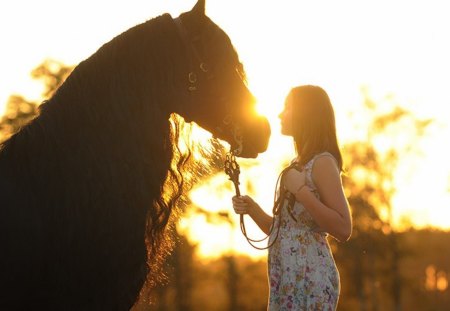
(286, 118)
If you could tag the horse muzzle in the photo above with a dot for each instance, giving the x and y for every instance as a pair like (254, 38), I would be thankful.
(254, 139)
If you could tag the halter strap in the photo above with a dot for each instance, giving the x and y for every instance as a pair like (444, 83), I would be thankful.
(192, 51)
(194, 57)
(192, 54)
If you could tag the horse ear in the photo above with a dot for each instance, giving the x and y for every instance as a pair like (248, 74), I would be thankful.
(194, 20)
(199, 8)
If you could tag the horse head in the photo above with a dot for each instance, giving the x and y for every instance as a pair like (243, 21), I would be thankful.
(216, 96)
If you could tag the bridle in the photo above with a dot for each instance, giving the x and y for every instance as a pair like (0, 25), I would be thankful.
(231, 166)
(196, 66)
(193, 57)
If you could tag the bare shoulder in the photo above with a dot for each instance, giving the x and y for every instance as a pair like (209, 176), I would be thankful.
(325, 165)
(327, 178)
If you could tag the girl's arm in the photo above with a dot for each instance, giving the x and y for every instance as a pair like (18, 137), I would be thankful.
(246, 205)
(331, 212)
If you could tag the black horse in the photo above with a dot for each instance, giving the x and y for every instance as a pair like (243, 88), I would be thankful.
(88, 187)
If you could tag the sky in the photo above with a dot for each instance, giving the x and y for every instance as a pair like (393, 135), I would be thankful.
(397, 51)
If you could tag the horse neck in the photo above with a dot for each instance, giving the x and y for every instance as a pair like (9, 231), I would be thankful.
(111, 114)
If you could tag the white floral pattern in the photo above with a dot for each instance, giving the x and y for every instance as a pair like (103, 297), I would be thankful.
(302, 272)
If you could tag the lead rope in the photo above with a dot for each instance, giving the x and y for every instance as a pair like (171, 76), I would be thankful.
(232, 169)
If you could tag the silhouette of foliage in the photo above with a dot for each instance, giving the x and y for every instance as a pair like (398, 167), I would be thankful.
(52, 74)
(19, 110)
(369, 262)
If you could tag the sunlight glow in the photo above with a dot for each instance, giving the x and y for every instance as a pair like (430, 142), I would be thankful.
(216, 229)
(341, 46)
(435, 280)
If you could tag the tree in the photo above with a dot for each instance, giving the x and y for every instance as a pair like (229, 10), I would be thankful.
(370, 260)
(19, 110)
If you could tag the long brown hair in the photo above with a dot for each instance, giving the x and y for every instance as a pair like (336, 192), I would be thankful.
(313, 122)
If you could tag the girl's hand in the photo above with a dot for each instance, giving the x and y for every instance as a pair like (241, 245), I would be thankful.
(294, 180)
(243, 204)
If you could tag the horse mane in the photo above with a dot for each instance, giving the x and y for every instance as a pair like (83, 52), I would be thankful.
(103, 155)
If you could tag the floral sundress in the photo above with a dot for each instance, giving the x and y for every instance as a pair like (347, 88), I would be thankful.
(302, 272)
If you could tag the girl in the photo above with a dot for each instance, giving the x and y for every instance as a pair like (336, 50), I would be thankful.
(310, 204)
